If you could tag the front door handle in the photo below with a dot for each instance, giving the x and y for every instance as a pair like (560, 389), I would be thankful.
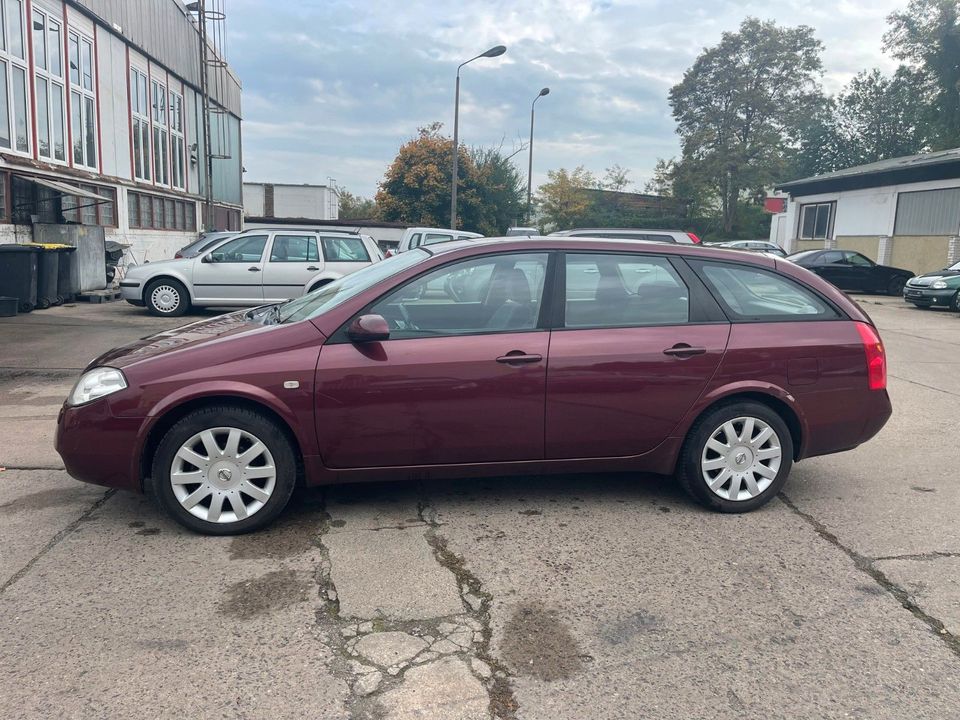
(253, 269)
(313, 268)
(682, 350)
(518, 357)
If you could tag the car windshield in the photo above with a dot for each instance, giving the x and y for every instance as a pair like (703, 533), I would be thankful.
(955, 267)
(338, 292)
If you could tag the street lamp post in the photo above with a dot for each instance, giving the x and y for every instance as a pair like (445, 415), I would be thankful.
(495, 51)
(545, 91)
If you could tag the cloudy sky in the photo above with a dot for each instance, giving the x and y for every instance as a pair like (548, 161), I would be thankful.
(332, 88)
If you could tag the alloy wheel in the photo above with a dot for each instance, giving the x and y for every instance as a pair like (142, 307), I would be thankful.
(741, 459)
(223, 475)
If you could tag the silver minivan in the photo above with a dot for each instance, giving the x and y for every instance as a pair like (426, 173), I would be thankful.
(253, 268)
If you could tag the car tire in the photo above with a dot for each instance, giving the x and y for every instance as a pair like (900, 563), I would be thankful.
(166, 297)
(895, 286)
(244, 472)
(955, 302)
(758, 464)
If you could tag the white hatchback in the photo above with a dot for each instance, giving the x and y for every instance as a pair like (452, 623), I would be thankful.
(253, 268)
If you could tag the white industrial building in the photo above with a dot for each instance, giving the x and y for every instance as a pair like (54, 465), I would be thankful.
(293, 202)
(903, 212)
(102, 123)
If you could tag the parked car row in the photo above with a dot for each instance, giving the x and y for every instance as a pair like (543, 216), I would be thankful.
(935, 289)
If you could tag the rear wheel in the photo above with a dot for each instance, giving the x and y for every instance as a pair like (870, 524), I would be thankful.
(166, 297)
(736, 457)
(895, 286)
(224, 470)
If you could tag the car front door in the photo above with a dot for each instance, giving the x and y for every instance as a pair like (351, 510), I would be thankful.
(639, 341)
(460, 380)
(864, 273)
(232, 273)
(294, 259)
(831, 266)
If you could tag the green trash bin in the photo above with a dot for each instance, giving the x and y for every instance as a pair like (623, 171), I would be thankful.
(68, 283)
(48, 275)
(18, 275)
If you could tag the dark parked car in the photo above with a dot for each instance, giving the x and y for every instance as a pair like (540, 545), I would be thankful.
(935, 289)
(852, 271)
(489, 357)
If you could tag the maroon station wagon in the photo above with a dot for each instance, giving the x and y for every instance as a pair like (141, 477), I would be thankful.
(504, 356)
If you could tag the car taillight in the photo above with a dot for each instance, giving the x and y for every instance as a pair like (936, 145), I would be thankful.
(693, 238)
(876, 356)
(388, 254)
(177, 255)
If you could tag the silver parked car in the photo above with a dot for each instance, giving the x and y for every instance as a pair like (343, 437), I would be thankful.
(253, 268)
(760, 246)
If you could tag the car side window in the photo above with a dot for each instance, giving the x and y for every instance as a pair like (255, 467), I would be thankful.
(294, 248)
(623, 291)
(833, 257)
(241, 250)
(858, 259)
(754, 294)
(502, 293)
(415, 240)
(344, 249)
(434, 238)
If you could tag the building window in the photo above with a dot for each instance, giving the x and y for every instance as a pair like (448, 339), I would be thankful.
(928, 212)
(177, 142)
(83, 101)
(14, 133)
(816, 221)
(140, 123)
(152, 212)
(85, 211)
(158, 103)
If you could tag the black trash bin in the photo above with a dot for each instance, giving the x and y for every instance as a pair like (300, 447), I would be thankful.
(68, 284)
(18, 274)
(48, 275)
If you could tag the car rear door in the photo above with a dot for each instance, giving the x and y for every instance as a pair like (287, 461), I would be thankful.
(344, 254)
(231, 273)
(294, 259)
(461, 379)
(639, 340)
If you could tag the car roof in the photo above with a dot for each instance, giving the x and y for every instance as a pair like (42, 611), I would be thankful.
(297, 229)
(639, 231)
(561, 242)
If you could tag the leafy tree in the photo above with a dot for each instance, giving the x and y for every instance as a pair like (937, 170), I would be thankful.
(500, 191)
(739, 105)
(662, 181)
(615, 178)
(416, 187)
(562, 199)
(355, 207)
(927, 34)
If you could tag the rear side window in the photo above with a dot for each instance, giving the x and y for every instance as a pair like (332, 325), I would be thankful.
(336, 249)
(294, 248)
(623, 291)
(753, 294)
(434, 238)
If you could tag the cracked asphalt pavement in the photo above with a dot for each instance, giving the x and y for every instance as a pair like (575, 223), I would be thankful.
(534, 598)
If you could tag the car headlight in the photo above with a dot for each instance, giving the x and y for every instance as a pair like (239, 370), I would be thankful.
(96, 383)
(939, 285)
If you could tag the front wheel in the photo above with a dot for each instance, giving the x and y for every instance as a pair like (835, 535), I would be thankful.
(955, 302)
(736, 457)
(224, 470)
(166, 297)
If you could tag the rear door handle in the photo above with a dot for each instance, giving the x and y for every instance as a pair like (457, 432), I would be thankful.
(313, 268)
(253, 269)
(682, 350)
(518, 357)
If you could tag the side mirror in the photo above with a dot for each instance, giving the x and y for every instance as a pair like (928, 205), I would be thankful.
(208, 258)
(368, 328)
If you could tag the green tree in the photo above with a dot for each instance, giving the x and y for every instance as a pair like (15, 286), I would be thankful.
(562, 200)
(738, 108)
(355, 207)
(615, 179)
(500, 191)
(927, 34)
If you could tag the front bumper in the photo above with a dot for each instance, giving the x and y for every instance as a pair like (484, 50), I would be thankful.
(132, 291)
(928, 296)
(97, 447)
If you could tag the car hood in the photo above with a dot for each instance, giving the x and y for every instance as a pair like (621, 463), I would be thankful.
(152, 268)
(941, 274)
(204, 332)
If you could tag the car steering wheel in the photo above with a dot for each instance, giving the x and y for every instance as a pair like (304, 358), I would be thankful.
(406, 317)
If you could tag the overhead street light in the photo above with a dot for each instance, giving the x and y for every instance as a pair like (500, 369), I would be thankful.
(545, 91)
(495, 51)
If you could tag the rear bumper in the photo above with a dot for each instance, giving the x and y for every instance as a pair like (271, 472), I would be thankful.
(97, 447)
(846, 425)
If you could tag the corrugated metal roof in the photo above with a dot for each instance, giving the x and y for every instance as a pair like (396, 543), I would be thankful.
(883, 166)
